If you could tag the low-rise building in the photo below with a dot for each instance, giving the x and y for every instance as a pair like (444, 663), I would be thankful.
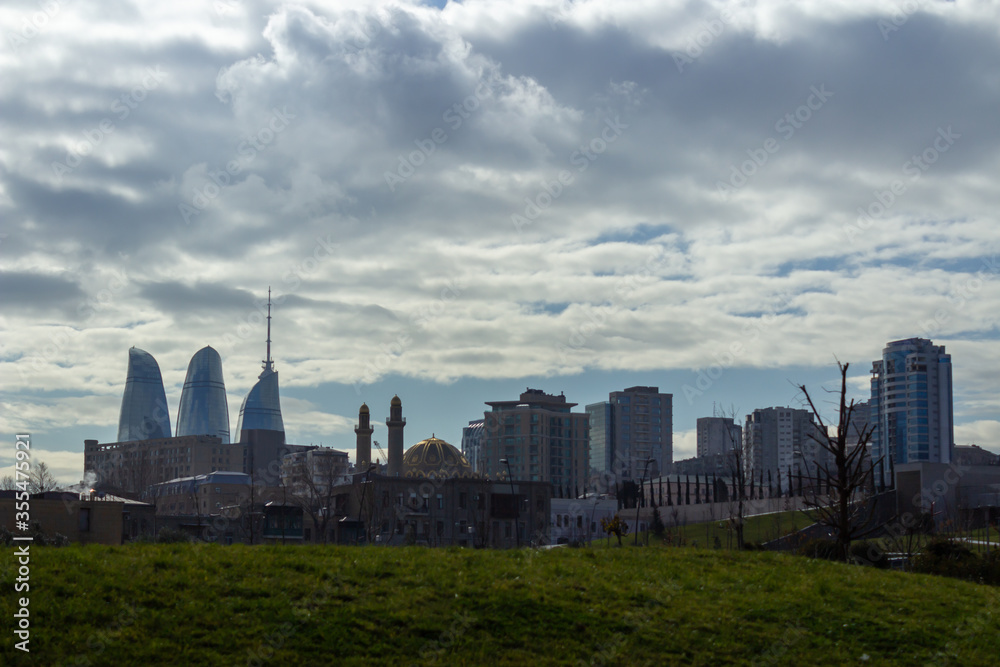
(579, 519)
(200, 495)
(87, 519)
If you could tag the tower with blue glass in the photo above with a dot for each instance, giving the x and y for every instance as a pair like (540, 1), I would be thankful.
(204, 409)
(261, 409)
(911, 404)
(144, 414)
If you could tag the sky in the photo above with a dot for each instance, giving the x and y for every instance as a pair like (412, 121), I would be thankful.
(454, 203)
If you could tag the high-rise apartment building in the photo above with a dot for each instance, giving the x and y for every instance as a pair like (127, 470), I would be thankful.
(718, 435)
(911, 404)
(779, 441)
(602, 443)
(539, 437)
(630, 428)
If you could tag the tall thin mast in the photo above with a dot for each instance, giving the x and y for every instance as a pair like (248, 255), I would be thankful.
(268, 364)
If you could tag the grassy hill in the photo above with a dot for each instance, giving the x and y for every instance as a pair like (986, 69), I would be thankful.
(211, 605)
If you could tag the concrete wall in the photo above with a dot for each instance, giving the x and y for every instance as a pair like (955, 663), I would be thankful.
(92, 521)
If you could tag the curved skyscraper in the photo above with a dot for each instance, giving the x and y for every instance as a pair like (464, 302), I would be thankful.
(144, 414)
(261, 409)
(204, 409)
(911, 408)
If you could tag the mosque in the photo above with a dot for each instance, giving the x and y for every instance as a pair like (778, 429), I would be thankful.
(430, 495)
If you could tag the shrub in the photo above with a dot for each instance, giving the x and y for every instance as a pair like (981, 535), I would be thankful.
(948, 550)
(172, 536)
(658, 528)
(819, 548)
(869, 553)
(950, 558)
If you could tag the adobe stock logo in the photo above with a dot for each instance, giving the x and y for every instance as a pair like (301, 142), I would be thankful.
(122, 107)
(247, 150)
(913, 169)
(787, 125)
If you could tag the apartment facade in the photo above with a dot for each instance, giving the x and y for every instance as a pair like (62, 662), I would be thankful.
(313, 471)
(632, 427)
(782, 441)
(540, 438)
(201, 495)
(718, 435)
(131, 467)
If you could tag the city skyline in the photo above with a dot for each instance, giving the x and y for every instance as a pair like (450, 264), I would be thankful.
(453, 203)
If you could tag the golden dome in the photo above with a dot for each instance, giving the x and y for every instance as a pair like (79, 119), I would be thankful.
(435, 459)
(395, 401)
(364, 409)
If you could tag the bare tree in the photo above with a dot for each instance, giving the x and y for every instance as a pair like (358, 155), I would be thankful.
(41, 478)
(312, 486)
(249, 514)
(7, 483)
(849, 477)
(737, 464)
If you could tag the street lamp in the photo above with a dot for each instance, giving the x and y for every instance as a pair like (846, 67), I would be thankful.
(642, 480)
(517, 510)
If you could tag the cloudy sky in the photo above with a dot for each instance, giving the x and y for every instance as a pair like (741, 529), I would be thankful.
(454, 203)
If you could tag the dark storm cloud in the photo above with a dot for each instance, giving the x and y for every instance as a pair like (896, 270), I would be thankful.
(199, 298)
(178, 298)
(38, 292)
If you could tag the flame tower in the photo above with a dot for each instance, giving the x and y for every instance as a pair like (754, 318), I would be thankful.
(144, 414)
(261, 409)
(204, 409)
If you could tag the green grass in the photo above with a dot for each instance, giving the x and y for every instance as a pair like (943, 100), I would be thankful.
(759, 529)
(212, 605)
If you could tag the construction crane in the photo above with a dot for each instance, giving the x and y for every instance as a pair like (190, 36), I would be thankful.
(381, 452)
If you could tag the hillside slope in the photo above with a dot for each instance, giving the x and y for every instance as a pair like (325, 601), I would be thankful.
(210, 605)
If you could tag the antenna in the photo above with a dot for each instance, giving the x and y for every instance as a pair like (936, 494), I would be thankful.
(268, 364)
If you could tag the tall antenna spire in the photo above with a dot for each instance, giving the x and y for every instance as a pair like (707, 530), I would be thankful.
(268, 364)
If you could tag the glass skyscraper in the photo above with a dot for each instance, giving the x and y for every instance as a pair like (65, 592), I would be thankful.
(144, 414)
(911, 404)
(261, 409)
(204, 409)
(633, 426)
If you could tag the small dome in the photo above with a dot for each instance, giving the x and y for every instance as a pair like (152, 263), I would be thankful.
(436, 459)
(364, 409)
(395, 401)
